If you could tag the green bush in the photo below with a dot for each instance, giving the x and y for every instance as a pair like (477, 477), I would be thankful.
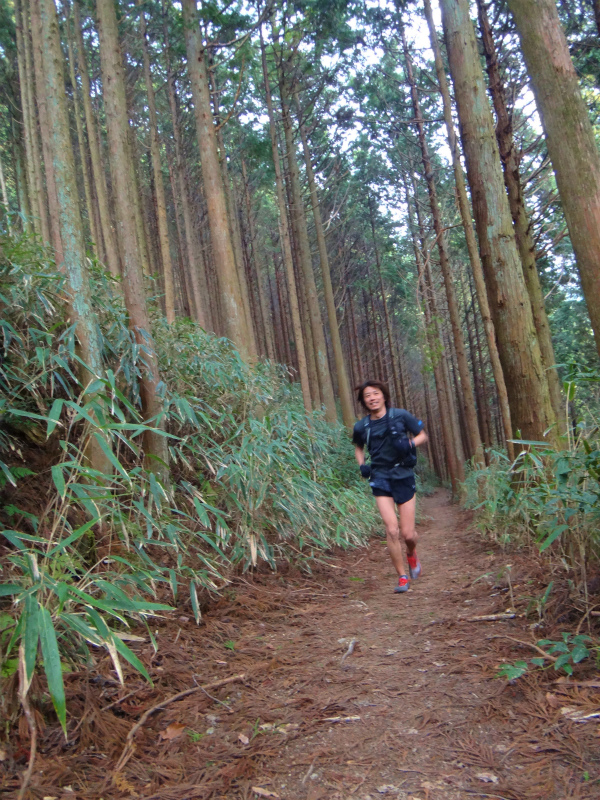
(252, 478)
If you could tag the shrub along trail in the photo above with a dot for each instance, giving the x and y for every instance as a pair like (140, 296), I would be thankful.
(412, 710)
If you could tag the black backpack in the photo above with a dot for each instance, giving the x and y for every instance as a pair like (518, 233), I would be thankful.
(397, 431)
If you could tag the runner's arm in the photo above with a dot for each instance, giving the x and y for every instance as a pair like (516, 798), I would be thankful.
(420, 438)
(359, 454)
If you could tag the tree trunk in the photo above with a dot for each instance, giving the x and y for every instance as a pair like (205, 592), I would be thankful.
(17, 140)
(159, 186)
(99, 177)
(259, 266)
(469, 414)
(36, 38)
(596, 5)
(465, 212)
(39, 192)
(569, 136)
(233, 216)
(195, 256)
(522, 223)
(139, 205)
(360, 371)
(336, 342)
(89, 204)
(304, 257)
(113, 84)
(231, 298)
(71, 229)
(455, 467)
(529, 396)
(32, 202)
(5, 197)
(286, 246)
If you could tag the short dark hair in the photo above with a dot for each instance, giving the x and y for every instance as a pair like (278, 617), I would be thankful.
(383, 388)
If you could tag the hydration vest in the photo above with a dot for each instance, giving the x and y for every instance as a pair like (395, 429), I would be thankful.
(397, 430)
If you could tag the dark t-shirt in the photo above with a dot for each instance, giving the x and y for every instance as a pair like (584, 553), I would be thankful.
(384, 457)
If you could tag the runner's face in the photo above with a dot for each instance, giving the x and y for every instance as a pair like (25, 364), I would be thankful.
(374, 399)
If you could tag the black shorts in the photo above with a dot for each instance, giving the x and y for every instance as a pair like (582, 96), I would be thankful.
(402, 490)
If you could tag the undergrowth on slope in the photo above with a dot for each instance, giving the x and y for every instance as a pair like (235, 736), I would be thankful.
(84, 554)
(550, 499)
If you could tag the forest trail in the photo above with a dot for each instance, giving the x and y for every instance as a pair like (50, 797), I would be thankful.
(415, 711)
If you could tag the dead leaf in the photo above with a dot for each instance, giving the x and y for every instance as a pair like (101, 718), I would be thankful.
(553, 700)
(243, 739)
(129, 637)
(264, 792)
(172, 731)
(3, 754)
(486, 777)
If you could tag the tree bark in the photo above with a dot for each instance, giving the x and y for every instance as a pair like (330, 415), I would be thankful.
(5, 197)
(386, 315)
(20, 171)
(99, 177)
(521, 221)
(71, 229)
(286, 246)
(465, 213)
(232, 205)
(38, 68)
(232, 302)
(569, 136)
(304, 257)
(529, 396)
(113, 84)
(38, 189)
(469, 414)
(195, 256)
(89, 203)
(336, 342)
(33, 220)
(159, 186)
(432, 332)
(259, 266)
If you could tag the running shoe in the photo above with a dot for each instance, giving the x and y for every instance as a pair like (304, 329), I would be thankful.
(403, 585)
(414, 566)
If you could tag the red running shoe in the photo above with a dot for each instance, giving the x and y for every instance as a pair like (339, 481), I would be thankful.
(414, 566)
(403, 585)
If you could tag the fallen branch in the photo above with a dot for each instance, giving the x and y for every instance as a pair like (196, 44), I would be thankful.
(490, 617)
(527, 644)
(129, 748)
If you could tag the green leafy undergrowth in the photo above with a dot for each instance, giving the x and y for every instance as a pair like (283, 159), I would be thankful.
(548, 496)
(561, 655)
(252, 478)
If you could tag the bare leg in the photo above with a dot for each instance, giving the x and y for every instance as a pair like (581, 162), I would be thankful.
(387, 509)
(407, 524)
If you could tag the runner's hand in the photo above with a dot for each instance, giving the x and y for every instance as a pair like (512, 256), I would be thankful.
(404, 447)
(365, 470)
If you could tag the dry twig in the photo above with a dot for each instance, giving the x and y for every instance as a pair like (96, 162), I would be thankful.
(490, 617)
(129, 748)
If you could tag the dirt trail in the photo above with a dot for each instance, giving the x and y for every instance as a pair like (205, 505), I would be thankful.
(415, 711)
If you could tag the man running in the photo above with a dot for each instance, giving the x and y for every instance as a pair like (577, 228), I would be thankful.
(385, 433)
